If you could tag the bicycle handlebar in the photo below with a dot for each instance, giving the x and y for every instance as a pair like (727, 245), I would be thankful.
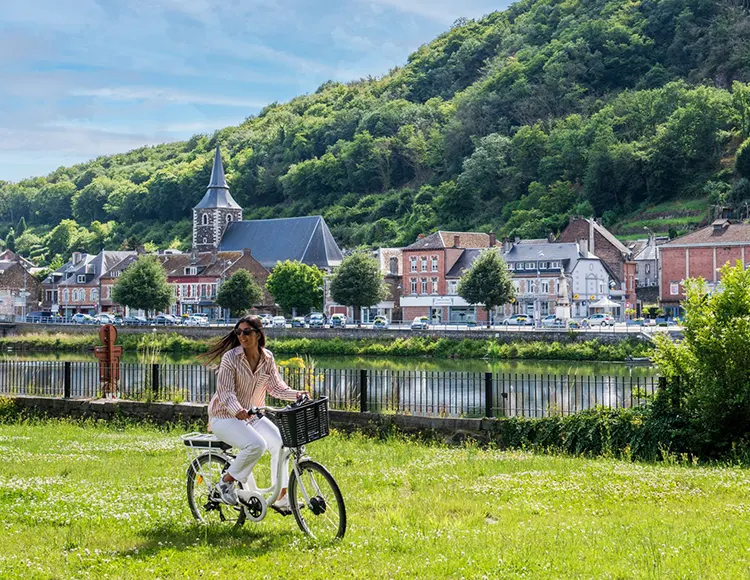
(259, 411)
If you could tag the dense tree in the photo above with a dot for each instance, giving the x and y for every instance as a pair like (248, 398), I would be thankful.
(710, 384)
(143, 285)
(630, 103)
(357, 282)
(295, 286)
(487, 282)
(239, 293)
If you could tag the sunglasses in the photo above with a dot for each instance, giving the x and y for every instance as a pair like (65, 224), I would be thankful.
(245, 331)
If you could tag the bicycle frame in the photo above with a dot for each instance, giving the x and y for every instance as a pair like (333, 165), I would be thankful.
(271, 493)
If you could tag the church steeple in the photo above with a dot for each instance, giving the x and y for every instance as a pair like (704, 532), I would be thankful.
(217, 193)
(215, 211)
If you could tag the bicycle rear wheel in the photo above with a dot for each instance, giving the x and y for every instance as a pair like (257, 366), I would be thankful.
(203, 475)
(316, 502)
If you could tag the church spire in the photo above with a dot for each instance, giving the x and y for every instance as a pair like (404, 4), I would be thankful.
(217, 172)
(217, 194)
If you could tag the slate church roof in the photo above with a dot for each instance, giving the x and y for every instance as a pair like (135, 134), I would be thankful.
(305, 239)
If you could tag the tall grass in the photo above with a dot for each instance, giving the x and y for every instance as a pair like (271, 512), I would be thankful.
(82, 500)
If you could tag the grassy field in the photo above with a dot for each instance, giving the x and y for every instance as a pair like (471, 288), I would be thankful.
(92, 501)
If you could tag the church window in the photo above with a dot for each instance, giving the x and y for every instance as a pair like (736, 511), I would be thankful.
(229, 217)
(204, 220)
(205, 240)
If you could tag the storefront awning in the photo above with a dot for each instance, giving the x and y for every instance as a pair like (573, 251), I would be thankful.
(604, 303)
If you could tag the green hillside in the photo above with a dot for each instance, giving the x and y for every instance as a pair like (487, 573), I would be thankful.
(512, 122)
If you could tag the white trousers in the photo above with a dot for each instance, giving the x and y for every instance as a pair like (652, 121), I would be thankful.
(252, 441)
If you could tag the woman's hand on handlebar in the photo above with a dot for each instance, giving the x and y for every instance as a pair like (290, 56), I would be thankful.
(242, 415)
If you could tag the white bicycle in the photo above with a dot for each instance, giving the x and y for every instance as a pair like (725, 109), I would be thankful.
(314, 496)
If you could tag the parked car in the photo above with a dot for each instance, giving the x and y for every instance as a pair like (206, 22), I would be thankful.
(518, 320)
(81, 318)
(338, 321)
(266, 319)
(164, 319)
(316, 320)
(279, 322)
(134, 321)
(104, 318)
(196, 320)
(380, 322)
(600, 320)
(420, 323)
(298, 322)
(552, 321)
(39, 316)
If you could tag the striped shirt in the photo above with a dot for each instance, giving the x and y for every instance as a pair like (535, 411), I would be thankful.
(238, 387)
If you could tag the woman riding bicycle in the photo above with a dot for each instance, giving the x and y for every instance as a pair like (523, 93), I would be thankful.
(247, 372)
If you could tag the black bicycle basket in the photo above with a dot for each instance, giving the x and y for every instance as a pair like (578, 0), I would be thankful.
(301, 425)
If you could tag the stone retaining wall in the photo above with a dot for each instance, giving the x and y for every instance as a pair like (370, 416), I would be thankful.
(163, 413)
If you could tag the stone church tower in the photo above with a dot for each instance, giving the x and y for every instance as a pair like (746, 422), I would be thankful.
(215, 211)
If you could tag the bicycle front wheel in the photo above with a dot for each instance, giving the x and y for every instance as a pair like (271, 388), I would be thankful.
(316, 502)
(203, 475)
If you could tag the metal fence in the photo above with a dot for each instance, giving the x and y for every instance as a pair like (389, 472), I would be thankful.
(425, 393)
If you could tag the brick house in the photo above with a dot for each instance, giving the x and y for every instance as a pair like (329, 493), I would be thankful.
(20, 291)
(75, 286)
(197, 276)
(431, 268)
(700, 254)
(598, 240)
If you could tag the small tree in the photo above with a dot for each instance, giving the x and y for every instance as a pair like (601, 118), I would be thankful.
(358, 282)
(21, 226)
(296, 285)
(143, 286)
(10, 241)
(707, 372)
(240, 293)
(487, 282)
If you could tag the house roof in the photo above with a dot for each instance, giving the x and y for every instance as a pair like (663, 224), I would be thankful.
(305, 239)
(610, 237)
(566, 253)
(94, 266)
(463, 263)
(217, 194)
(10, 256)
(121, 265)
(441, 239)
(208, 264)
(720, 232)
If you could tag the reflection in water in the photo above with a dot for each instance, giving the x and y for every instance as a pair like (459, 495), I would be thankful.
(506, 389)
(462, 394)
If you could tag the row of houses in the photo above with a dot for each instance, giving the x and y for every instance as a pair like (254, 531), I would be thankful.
(598, 271)
(595, 269)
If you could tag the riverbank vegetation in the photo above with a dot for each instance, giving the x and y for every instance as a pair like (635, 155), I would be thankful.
(108, 501)
(411, 346)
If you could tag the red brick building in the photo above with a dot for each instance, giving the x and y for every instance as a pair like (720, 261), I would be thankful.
(700, 254)
(197, 276)
(431, 267)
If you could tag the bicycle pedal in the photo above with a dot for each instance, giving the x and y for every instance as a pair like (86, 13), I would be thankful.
(284, 511)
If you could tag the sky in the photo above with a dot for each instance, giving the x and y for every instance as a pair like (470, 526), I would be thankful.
(83, 78)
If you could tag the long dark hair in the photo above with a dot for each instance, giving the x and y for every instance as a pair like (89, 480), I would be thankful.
(231, 340)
